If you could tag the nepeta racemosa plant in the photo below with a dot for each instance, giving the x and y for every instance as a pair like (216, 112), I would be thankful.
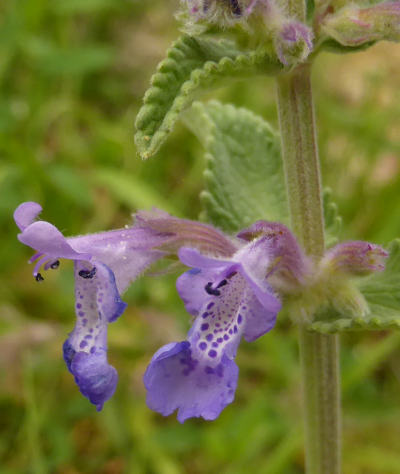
(271, 244)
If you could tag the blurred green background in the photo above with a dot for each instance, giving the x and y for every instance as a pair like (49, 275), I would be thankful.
(72, 75)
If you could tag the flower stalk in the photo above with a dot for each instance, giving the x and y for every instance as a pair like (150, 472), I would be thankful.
(318, 353)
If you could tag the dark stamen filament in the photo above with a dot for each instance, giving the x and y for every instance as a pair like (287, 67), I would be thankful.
(222, 283)
(210, 290)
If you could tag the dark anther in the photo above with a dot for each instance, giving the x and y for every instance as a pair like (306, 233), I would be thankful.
(210, 290)
(236, 10)
(38, 277)
(88, 273)
(222, 283)
(55, 264)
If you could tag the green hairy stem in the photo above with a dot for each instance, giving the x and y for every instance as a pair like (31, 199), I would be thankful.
(318, 352)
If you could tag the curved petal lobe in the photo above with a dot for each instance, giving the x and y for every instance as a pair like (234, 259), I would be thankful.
(85, 351)
(26, 213)
(176, 381)
(47, 239)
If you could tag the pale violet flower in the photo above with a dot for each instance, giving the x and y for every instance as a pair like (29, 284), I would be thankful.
(234, 289)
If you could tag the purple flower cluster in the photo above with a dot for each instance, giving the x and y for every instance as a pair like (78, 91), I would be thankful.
(233, 289)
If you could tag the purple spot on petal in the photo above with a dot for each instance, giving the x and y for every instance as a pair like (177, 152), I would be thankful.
(204, 327)
(204, 315)
(219, 339)
(84, 322)
(83, 344)
(81, 313)
(212, 353)
(79, 305)
(203, 346)
(235, 329)
(209, 337)
(93, 350)
(240, 319)
(226, 337)
(210, 305)
(215, 344)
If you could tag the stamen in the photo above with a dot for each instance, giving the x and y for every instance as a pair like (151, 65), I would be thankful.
(210, 290)
(35, 257)
(88, 273)
(55, 264)
(222, 283)
(38, 277)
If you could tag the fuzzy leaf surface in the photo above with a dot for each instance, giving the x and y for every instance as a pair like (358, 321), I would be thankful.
(244, 178)
(192, 64)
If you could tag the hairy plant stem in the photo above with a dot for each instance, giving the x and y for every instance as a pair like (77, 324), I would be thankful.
(318, 353)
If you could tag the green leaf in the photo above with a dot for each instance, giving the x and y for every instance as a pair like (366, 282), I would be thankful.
(333, 46)
(310, 9)
(382, 293)
(244, 176)
(192, 64)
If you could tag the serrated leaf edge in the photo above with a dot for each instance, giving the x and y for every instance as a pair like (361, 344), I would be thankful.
(147, 144)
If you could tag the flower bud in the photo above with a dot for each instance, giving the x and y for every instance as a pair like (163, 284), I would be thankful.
(355, 258)
(229, 13)
(221, 12)
(293, 42)
(353, 26)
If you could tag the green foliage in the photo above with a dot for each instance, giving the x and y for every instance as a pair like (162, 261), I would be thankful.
(192, 64)
(310, 9)
(334, 46)
(244, 177)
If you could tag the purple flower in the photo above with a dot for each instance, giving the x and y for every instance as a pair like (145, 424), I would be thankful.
(231, 298)
(227, 13)
(233, 289)
(105, 264)
(355, 258)
(354, 25)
